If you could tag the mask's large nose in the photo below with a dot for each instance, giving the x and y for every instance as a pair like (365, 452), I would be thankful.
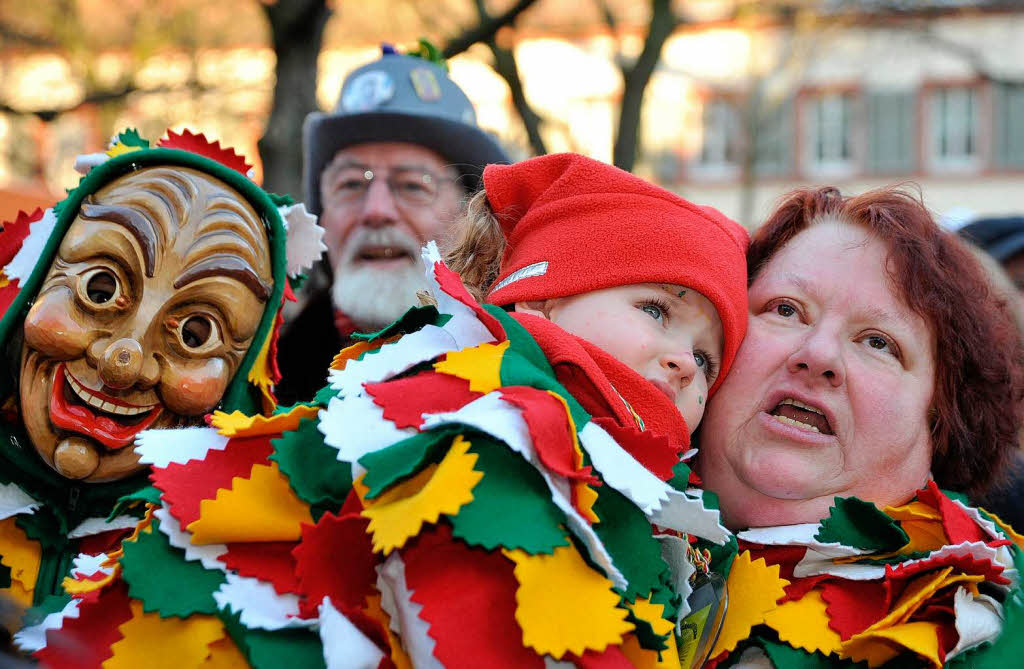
(123, 364)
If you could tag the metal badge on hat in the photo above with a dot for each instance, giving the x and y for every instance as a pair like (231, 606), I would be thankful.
(425, 83)
(368, 91)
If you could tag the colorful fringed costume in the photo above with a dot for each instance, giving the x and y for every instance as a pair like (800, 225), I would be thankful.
(46, 519)
(931, 583)
(445, 502)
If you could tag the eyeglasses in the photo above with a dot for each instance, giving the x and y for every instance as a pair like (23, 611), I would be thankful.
(409, 187)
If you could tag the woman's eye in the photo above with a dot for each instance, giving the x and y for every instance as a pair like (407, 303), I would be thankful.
(654, 311)
(880, 343)
(785, 310)
(101, 287)
(196, 331)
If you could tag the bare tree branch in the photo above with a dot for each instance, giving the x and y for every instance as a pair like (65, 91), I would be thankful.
(10, 35)
(970, 54)
(608, 15)
(486, 29)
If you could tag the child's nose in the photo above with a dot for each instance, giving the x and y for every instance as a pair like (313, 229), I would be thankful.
(680, 365)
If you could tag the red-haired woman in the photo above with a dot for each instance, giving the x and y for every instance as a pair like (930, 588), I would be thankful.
(879, 380)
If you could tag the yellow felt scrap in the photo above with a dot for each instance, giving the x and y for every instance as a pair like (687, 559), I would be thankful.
(913, 511)
(924, 535)
(262, 507)
(4, 281)
(400, 512)
(73, 586)
(803, 623)
(652, 613)
(916, 593)
(154, 642)
(754, 587)
(355, 350)
(480, 365)
(259, 373)
(397, 654)
(17, 592)
(586, 497)
(120, 149)
(238, 424)
(1005, 527)
(876, 646)
(563, 605)
(20, 554)
(224, 654)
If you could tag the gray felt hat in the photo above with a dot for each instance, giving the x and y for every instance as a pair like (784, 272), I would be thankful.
(1002, 238)
(399, 98)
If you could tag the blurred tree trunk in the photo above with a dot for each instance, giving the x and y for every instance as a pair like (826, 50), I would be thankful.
(297, 30)
(635, 77)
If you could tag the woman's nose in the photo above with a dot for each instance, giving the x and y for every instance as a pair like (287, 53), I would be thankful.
(820, 356)
(124, 363)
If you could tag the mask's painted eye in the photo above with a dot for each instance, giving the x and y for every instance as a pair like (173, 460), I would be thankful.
(101, 287)
(196, 331)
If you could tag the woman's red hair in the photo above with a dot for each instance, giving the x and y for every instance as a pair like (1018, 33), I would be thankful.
(978, 382)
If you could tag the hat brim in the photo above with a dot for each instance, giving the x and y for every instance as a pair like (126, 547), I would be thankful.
(467, 148)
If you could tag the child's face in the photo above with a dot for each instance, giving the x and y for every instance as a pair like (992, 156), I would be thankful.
(670, 335)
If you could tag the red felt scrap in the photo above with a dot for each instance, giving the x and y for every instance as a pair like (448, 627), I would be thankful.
(963, 564)
(273, 371)
(958, 525)
(787, 557)
(853, 606)
(654, 451)
(186, 485)
(335, 559)
(14, 233)
(548, 424)
(948, 639)
(190, 141)
(269, 561)
(451, 283)
(406, 400)
(611, 657)
(469, 600)
(102, 542)
(84, 642)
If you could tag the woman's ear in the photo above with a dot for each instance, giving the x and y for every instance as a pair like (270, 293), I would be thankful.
(540, 308)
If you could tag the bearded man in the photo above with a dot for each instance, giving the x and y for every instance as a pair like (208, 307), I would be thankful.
(387, 171)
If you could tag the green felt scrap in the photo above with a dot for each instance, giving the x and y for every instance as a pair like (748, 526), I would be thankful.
(324, 396)
(158, 575)
(626, 534)
(312, 467)
(133, 502)
(44, 526)
(412, 320)
(400, 460)
(51, 604)
(646, 635)
(517, 370)
(863, 525)
(298, 648)
(680, 476)
(511, 504)
(895, 559)
(784, 656)
(131, 137)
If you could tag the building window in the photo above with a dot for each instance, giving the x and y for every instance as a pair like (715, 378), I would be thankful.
(828, 134)
(953, 124)
(1009, 125)
(773, 140)
(892, 131)
(719, 153)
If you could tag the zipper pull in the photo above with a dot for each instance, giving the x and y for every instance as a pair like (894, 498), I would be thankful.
(73, 495)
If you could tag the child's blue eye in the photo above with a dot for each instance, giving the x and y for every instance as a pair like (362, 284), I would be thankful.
(699, 358)
(653, 310)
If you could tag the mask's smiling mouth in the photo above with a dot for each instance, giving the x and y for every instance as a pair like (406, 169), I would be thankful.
(106, 419)
(803, 416)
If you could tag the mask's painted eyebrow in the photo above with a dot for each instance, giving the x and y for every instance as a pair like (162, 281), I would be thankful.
(225, 264)
(135, 221)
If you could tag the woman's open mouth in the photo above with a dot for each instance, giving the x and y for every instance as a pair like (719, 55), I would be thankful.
(803, 416)
(109, 420)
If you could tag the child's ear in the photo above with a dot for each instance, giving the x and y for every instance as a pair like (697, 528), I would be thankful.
(540, 308)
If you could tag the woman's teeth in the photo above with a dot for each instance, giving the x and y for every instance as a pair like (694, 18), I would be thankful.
(803, 416)
(795, 423)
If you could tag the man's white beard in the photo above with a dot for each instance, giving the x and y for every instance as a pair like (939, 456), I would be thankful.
(371, 296)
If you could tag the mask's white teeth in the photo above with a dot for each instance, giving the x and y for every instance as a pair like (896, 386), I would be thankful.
(801, 405)
(796, 423)
(102, 405)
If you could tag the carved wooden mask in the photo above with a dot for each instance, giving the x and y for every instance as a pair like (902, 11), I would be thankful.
(150, 305)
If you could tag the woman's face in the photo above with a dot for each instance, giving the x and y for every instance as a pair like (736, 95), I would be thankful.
(830, 391)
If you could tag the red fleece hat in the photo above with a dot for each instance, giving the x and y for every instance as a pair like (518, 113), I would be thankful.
(575, 225)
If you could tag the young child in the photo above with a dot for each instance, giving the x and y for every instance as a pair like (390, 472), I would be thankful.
(507, 462)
